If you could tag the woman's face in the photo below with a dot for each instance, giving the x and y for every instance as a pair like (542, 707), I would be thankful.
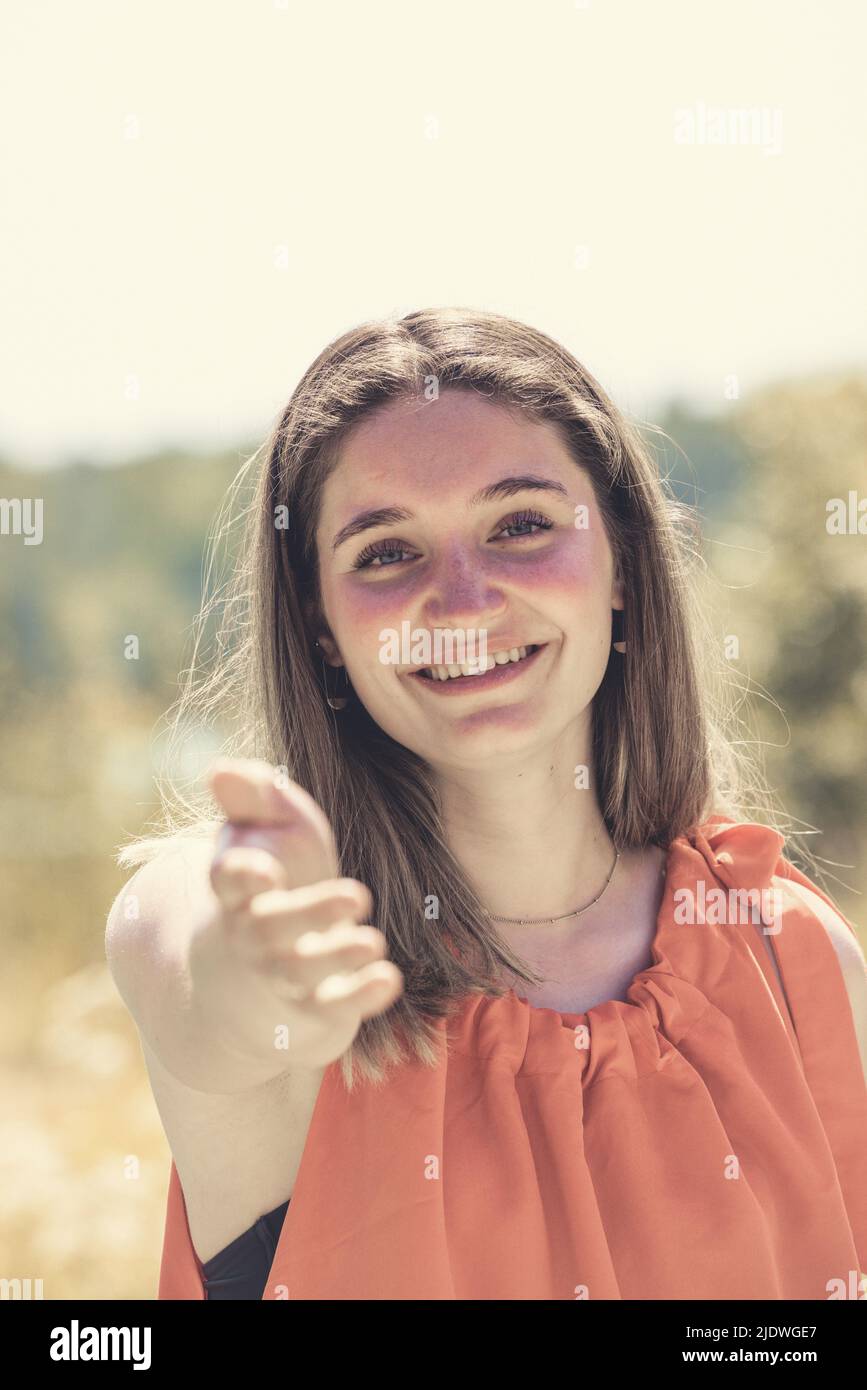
(515, 565)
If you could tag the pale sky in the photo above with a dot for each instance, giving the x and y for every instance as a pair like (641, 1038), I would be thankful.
(197, 197)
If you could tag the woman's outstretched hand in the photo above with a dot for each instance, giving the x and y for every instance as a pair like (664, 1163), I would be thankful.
(285, 917)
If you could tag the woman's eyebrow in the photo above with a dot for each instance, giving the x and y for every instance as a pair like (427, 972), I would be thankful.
(389, 516)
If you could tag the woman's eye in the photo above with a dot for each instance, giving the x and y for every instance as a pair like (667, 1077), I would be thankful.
(527, 519)
(381, 550)
(378, 548)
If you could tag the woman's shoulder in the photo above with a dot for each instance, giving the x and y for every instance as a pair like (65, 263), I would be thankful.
(753, 854)
(850, 957)
(749, 850)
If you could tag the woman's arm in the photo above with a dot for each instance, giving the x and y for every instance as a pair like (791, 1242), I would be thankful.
(850, 956)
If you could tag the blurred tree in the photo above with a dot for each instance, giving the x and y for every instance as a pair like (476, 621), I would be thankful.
(799, 599)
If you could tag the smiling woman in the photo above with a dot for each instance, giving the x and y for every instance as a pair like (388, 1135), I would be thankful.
(554, 1087)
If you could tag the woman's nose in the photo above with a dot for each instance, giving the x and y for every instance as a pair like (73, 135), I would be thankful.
(461, 588)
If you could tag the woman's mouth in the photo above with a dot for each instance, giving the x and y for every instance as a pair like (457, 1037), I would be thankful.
(455, 680)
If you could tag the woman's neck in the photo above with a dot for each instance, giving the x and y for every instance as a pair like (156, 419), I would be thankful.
(531, 843)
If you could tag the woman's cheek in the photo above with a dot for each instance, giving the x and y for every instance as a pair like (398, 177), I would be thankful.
(359, 612)
(562, 567)
(361, 604)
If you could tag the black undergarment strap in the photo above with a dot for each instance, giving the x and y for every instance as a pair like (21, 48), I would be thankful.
(241, 1269)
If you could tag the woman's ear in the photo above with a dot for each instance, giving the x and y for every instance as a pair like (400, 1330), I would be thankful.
(617, 620)
(322, 633)
(330, 649)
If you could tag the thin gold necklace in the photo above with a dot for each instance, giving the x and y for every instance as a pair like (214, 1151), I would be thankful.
(534, 921)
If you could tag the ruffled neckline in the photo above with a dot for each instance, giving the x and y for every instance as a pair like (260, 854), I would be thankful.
(737, 854)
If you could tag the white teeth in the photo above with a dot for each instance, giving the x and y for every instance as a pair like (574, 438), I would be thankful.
(444, 673)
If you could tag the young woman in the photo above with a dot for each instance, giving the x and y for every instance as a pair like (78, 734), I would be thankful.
(471, 983)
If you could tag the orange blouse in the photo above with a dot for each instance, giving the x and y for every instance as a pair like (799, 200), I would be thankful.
(688, 1143)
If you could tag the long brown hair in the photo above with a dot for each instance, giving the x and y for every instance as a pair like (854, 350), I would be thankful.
(664, 751)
